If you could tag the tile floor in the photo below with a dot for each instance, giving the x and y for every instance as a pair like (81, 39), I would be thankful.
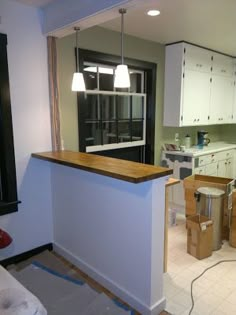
(214, 293)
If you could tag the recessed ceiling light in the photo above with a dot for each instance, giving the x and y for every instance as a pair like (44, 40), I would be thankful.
(153, 12)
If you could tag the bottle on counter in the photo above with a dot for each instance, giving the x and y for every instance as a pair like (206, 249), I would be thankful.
(187, 141)
(177, 141)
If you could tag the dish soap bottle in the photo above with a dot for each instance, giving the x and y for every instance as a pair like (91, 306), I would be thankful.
(187, 141)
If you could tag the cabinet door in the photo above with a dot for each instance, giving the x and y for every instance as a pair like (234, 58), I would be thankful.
(211, 169)
(195, 98)
(234, 165)
(221, 104)
(234, 102)
(200, 170)
(198, 59)
(229, 168)
(222, 168)
(222, 65)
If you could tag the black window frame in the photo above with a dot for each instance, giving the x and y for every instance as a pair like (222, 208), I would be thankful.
(150, 70)
(8, 185)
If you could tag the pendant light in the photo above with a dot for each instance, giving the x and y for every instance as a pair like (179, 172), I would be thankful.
(78, 84)
(122, 79)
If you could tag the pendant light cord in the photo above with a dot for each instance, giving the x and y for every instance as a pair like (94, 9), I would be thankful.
(122, 12)
(77, 50)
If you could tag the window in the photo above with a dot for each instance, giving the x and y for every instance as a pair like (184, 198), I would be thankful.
(117, 122)
(113, 118)
(8, 190)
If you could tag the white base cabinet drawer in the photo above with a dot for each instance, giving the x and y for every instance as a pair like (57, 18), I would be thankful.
(217, 164)
(225, 155)
(211, 169)
(200, 170)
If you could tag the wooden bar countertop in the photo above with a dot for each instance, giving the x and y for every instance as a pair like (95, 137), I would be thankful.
(124, 170)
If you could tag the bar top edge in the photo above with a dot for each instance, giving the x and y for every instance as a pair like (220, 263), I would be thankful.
(133, 172)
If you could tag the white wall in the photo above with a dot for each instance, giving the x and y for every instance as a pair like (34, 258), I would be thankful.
(113, 231)
(31, 226)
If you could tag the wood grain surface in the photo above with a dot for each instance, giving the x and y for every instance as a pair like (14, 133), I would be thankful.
(120, 169)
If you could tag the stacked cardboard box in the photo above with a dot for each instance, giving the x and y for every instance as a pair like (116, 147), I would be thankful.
(232, 235)
(200, 236)
(192, 183)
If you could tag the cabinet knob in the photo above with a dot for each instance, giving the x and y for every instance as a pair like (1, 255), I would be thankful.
(198, 119)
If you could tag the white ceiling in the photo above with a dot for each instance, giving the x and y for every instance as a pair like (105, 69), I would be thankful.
(210, 23)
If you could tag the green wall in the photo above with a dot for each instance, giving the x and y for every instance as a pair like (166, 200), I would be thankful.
(100, 39)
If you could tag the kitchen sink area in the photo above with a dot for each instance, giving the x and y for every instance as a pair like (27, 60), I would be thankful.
(216, 159)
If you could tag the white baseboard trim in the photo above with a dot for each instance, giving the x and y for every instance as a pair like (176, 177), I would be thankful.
(110, 285)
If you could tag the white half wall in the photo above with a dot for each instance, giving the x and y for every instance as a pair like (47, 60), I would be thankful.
(114, 231)
(31, 226)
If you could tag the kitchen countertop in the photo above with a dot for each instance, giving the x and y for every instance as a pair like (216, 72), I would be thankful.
(213, 147)
(120, 169)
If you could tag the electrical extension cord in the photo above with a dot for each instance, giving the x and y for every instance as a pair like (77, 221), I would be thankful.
(219, 262)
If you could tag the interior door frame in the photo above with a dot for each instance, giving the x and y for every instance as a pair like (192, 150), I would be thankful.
(8, 185)
(149, 69)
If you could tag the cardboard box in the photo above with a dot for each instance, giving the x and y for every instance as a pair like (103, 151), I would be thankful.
(232, 238)
(192, 183)
(232, 234)
(199, 236)
(234, 203)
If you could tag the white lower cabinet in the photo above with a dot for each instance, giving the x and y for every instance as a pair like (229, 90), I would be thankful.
(221, 164)
(211, 169)
(218, 164)
(230, 168)
(200, 170)
(222, 168)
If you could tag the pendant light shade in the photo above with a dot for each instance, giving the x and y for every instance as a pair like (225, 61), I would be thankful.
(78, 84)
(122, 79)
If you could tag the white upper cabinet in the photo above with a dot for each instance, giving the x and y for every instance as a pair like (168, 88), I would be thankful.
(222, 90)
(187, 85)
(221, 104)
(196, 90)
(199, 87)
(196, 58)
(222, 65)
